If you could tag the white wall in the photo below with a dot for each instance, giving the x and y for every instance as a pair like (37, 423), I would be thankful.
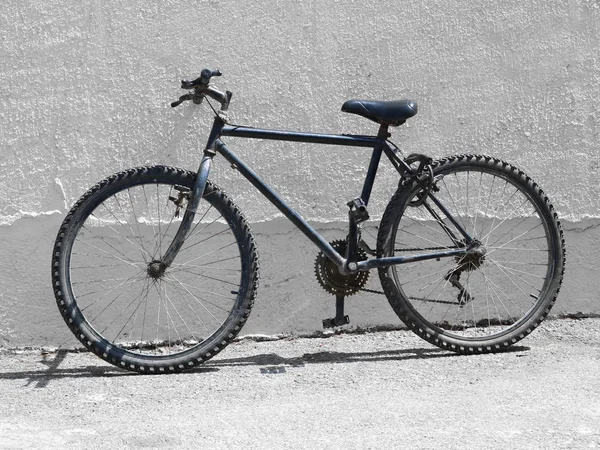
(85, 90)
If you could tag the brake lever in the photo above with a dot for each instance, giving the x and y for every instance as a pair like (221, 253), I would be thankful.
(182, 99)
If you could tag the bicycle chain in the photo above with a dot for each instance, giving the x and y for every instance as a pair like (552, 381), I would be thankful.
(374, 291)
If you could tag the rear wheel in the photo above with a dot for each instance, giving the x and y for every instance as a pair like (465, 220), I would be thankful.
(492, 297)
(112, 291)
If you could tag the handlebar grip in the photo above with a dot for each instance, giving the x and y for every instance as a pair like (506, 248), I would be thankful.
(202, 80)
(206, 74)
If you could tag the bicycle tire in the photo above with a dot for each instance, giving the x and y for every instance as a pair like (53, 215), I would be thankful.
(105, 291)
(477, 314)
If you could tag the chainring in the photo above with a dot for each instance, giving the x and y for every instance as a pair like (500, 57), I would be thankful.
(332, 280)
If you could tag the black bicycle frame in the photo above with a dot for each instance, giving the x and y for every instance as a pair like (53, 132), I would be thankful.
(345, 265)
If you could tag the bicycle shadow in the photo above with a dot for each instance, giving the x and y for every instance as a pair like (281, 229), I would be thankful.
(41, 378)
(267, 362)
(272, 362)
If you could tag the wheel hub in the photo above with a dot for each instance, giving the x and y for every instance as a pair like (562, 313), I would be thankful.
(156, 269)
(473, 259)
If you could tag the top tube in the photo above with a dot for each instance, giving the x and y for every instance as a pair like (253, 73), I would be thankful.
(295, 136)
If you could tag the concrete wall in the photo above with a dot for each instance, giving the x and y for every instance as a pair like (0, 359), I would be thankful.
(85, 88)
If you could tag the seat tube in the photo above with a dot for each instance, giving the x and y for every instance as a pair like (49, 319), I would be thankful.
(371, 173)
(195, 196)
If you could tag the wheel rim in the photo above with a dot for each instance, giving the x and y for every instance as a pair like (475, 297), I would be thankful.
(126, 298)
(493, 293)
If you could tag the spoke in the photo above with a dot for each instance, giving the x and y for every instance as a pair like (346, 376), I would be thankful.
(149, 219)
(106, 294)
(506, 297)
(115, 231)
(488, 203)
(193, 233)
(467, 201)
(204, 240)
(514, 239)
(504, 270)
(112, 288)
(92, 267)
(145, 288)
(175, 267)
(206, 276)
(521, 263)
(438, 299)
(103, 280)
(179, 291)
(157, 340)
(413, 280)
(516, 226)
(510, 216)
(184, 286)
(423, 223)
(443, 180)
(126, 260)
(169, 322)
(437, 280)
(437, 244)
(518, 248)
(472, 299)
(111, 256)
(512, 270)
(158, 212)
(487, 297)
(212, 262)
(489, 284)
(143, 321)
(181, 318)
(496, 214)
(210, 253)
(477, 207)
(137, 223)
(134, 313)
(171, 215)
(141, 247)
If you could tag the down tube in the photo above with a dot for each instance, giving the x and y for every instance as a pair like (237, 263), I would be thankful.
(288, 212)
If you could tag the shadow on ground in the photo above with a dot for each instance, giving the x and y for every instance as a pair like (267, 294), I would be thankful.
(268, 363)
(273, 363)
(41, 378)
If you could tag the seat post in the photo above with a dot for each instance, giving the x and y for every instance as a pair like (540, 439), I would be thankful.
(383, 133)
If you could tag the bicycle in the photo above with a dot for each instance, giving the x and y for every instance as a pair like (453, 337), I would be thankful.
(155, 269)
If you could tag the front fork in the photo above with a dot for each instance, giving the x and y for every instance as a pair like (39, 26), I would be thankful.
(195, 197)
(190, 212)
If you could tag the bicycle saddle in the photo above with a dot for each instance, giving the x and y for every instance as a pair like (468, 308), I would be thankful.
(387, 113)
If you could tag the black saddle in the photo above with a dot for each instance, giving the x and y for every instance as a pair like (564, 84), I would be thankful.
(386, 113)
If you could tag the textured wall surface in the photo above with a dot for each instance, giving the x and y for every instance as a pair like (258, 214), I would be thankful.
(85, 90)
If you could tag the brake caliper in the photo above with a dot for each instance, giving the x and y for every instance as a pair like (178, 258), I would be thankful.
(182, 198)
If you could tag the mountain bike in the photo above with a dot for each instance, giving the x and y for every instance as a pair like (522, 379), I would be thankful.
(155, 269)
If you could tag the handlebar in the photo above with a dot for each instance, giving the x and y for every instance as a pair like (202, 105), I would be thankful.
(201, 89)
(202, 80)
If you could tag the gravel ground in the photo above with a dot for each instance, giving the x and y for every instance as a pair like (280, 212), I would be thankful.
(352, 391)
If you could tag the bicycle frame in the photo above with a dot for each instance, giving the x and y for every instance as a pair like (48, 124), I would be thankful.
(345, 263)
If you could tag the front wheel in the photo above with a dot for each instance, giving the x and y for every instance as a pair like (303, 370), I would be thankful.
(490, 298)
(118, 300)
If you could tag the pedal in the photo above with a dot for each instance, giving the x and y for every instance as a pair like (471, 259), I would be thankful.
(336, 322)
(339, 319)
